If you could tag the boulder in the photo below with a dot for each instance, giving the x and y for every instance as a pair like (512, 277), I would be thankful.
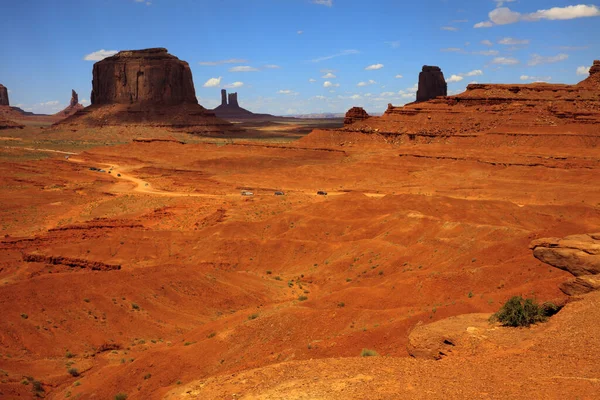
(431, 84)
(4, 96)
(581, 285)
(150, 76)
(355, 114)
(577, 254)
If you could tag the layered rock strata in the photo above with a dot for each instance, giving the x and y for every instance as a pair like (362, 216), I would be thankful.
(355, 114)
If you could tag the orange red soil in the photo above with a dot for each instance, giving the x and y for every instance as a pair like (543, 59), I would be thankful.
(275, 296)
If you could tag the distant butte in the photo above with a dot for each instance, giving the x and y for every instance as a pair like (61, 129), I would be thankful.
(230, 109)
(147, 87)
(4, 96)
(431, 84)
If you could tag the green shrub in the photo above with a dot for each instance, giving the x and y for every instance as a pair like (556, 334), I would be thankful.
(73, 372)
(252, 316)
(302, 298)
(121, 396)
(368, 353)
(523, 312)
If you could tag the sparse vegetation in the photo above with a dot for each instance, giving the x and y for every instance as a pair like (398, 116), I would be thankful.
(24, 316)
(211, 335)
(73, 371)
(368, 353)
(121, 396)
(135, 306)
(147, 376)
(470, 295)
(517, 312)
(341, 304)
(302, 298)
(252, 316)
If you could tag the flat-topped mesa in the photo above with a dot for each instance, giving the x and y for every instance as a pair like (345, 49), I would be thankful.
(150, 76)
(4, 96)
(233, 100)
(355, 114)
(431, 84)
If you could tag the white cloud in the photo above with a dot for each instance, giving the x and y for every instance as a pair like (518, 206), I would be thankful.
(355, 96)
(500, 3)
(535, 78)
(148, 3)
(505, 16)
(568, 12)
(243, 68)
(476, 72)
(387, 94)
(341, 53)
(311, 80)
(486, 24)
(512, 41)
(327, 3)
(50, 103)
(328, 75)
(300, 32)
(583, 70)
(84, 102)
(287, 91)
(487, 43)
(369, 82)
(505, 61)
(454, 78)
(272, 66)
(451, 49)
(374, 67)
(100, 55)
(398, 76)
(327, 84)
(234, 85)
(320, 97)
(230, 61)
(487, 52)
(449, 28)
(536, 59)
(212, 82)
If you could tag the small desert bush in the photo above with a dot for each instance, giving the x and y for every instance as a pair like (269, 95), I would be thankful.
(523, 312)
(73, 372)
(302, 298)
(368, 353)
(121, 396)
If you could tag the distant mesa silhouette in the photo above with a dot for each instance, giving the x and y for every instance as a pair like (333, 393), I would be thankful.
(230, 108)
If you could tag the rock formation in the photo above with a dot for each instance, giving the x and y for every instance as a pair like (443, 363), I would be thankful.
(146, 87)
(355, 114)
(577, 254)
(232, 100)
(230, 109)
(431, 84)
(74, 98)
(151, 76)
(498, 109)
(4, 96)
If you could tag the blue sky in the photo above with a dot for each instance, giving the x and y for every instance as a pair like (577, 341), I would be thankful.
(298, 56)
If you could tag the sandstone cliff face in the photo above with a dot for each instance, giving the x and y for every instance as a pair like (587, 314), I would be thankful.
(150, 76)
(355, 114)
(4, 96)
(431, 84)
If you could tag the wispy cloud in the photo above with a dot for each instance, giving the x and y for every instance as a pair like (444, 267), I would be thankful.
(328, 84)
(329, 75)
(220, 62)
(505, 61)
(311, 80)
(212, 82)
(272, 66)
(393, 44)
(536, 59)
(449, 28)
(328, 3)
(341, 53)
(299, 32)
(451, 49)
(243, 68)
(398, 76)
(100, 55)
(454, 78)
(373, 67)
(486, 52)
(505, 16)
(288, 92)
(507, 41)
(487, 43)
(535, 78)
(367, 83)
(234, 85)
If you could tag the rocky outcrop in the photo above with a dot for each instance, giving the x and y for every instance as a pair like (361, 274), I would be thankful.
(431, 84)
(223, 97)
(355, 114)
(594, 79)
(71, 262)
(151, 76)
(577, 254)
(4, 96)
(232, 100)
(74, 98)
